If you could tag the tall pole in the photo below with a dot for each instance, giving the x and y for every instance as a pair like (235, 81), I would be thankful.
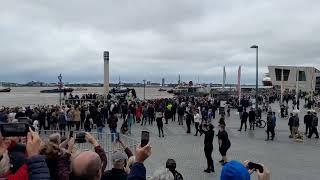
(257, 77)
(144, 89)
(106, 73)
(60, 86)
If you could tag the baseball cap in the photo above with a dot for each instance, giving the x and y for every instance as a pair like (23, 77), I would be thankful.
(118, 156)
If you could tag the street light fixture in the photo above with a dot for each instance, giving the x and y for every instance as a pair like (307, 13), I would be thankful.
(256, 47)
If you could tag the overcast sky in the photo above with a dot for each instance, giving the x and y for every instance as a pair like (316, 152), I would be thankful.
(150, 39)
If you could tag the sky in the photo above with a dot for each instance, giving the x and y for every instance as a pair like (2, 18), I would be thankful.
(154, 39)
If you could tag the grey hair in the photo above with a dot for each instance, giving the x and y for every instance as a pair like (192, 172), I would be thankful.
(163, 174)
(55, 138)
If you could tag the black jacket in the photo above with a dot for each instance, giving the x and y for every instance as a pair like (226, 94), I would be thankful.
(208, 138)
(115, 174)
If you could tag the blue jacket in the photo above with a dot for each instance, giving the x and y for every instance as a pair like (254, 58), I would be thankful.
(38, 169)
(138, 172)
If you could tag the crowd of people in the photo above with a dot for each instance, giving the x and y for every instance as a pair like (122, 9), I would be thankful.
(199, 111)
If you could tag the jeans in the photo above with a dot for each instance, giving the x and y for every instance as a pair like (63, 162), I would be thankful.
(100, 131)
(113, 131)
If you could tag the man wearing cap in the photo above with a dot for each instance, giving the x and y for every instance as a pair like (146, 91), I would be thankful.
(119, 161)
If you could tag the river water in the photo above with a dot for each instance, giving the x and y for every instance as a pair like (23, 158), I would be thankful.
(32, 96)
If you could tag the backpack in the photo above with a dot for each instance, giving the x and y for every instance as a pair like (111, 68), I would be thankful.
(177, 176)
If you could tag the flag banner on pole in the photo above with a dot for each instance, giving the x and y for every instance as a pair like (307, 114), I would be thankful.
(239, 83)
(282, 86)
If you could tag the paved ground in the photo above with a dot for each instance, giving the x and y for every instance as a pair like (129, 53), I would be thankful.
(286, 159)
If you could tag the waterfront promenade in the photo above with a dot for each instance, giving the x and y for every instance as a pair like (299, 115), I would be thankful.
(285, 159)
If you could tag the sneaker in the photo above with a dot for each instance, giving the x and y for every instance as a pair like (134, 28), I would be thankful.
(221, 161)
(317, 137)
(239, 130)
(207, 171)
(267, 140)
(162, 135)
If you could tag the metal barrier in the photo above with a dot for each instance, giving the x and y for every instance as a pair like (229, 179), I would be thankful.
(104, 139)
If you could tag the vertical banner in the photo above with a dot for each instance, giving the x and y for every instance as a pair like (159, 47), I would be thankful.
(239, 84)
(224, 77)
(297, 85)
(282, 86)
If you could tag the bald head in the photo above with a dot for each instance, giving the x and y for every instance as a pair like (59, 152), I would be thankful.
(87, 166)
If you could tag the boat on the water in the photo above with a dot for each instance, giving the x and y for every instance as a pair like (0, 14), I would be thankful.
(267, 80)
(62, 90)
(5, 90)
(161, 89)
(190, 90)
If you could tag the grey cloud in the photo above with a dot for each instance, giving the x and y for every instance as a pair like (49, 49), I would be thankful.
(154, 39)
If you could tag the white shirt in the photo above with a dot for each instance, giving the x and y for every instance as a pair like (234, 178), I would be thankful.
(197, 118)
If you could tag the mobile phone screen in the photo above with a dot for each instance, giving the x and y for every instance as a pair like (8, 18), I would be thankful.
(144, 138)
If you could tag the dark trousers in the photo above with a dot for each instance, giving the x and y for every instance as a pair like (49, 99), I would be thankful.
(313, 130)
(77, 125)
(189, 128)
(144, 119)
(245, 125)
(208, 153)
(173, 116)
(62, 128)
(180, 119)
(197, 128)
(41, 124)
(151, 119)
(252, 125)
(166, 120)
(271, 131)
(160, 129)
(308, 129)
(69, 123)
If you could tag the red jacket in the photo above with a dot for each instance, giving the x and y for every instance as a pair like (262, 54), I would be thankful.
(21, 174)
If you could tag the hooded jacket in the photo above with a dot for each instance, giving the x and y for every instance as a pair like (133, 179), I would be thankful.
(234, 170)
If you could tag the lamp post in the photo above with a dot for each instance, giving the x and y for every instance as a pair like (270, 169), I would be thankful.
(60, 86)
(144, 89)
(256, 47)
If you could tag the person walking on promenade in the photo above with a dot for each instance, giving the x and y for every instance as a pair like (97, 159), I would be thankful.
(100, 124)
(62, 121)
(240, 110)
(224, 144)
(314, 125)
(271, 124)
(167, 114)
(295, 127)
(130, 119)
(181, 111)
(208, 148)
(189, 119)
(290, 124)
(77, 118)
(252, 118)
(308, 121)
(113, 123)
(138, 113)
(151, 113)
(144, 115)
(159, 117)
(244, 120)
(197, 120)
